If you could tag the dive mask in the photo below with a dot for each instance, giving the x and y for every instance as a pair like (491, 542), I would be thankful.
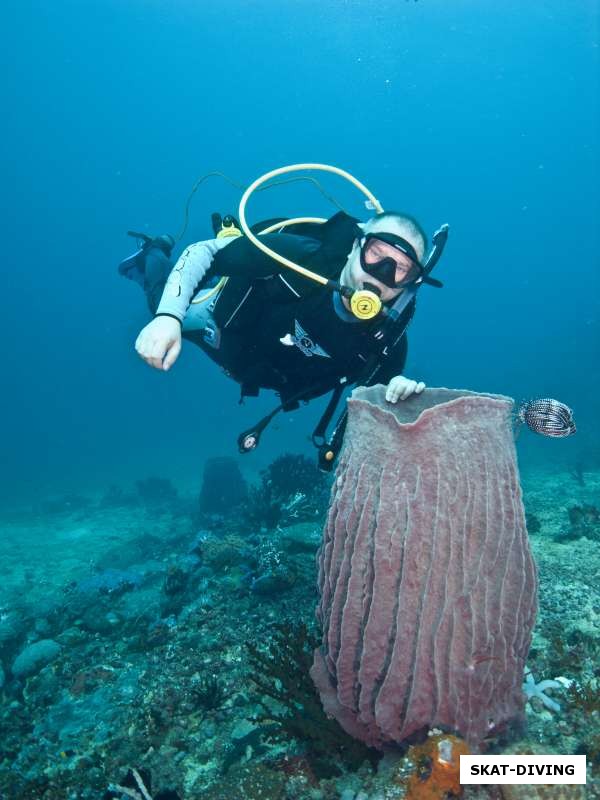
(390, 259)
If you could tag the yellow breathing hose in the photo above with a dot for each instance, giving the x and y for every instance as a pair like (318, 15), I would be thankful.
(282, 171)
(210, 293)
(279, 226)
(364, 304)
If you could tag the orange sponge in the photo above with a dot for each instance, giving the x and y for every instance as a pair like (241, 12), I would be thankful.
(437, 762)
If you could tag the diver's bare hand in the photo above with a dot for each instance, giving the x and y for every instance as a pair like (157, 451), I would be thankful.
(401, 388)
(159, 343)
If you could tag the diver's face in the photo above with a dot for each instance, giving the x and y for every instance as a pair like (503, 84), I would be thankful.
(355, 277)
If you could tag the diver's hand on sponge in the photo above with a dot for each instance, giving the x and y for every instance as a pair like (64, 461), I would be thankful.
(400, 388)
(159, 343)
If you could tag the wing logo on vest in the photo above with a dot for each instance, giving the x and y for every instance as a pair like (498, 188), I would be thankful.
(303, 342)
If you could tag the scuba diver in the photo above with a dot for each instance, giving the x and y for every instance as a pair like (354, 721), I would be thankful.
(338, 320)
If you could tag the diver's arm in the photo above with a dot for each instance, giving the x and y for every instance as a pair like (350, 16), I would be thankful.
(240, 257)
(187, 274)
(159, 342)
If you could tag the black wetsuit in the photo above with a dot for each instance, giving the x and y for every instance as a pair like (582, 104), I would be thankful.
(281, 331)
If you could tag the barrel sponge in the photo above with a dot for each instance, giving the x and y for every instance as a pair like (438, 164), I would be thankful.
(428, 589)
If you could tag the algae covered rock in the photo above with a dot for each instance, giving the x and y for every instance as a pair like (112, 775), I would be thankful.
(222, 556)
(34, 657)
(273, 583)
(303, 537)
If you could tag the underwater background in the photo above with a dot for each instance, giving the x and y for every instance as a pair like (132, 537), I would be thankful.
(483, 115)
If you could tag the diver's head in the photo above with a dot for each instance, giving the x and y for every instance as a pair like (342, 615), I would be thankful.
(387, 257)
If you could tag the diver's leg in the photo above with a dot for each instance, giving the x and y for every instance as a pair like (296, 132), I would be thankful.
(157, 268)
(150, 267)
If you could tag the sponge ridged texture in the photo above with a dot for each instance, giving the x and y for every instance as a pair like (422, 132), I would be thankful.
(427, 584)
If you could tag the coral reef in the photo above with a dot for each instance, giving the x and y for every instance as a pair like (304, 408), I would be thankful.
(291, 490)
(171, 690)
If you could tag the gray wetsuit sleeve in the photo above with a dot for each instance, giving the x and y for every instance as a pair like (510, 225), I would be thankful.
(186, 276)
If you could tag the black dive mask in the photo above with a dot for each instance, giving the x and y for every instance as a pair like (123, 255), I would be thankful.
(378, 259)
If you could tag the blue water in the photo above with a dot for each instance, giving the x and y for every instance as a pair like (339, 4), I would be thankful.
(480, 114)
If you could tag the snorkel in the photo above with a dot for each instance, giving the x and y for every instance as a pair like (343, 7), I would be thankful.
(394, 312)
(365, 303)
